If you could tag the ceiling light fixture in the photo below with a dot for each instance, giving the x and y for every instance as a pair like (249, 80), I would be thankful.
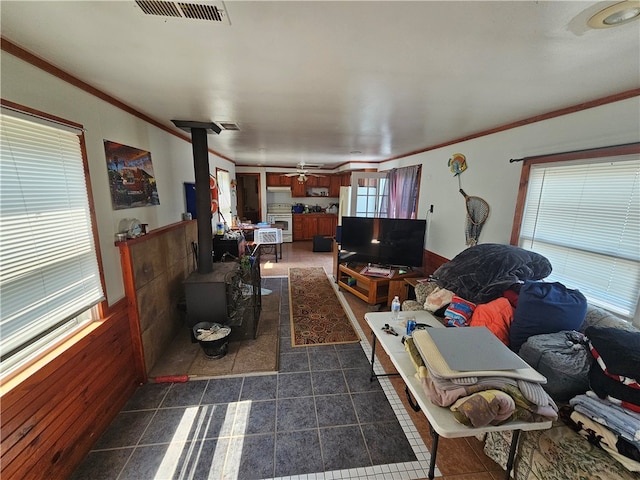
(615, 15)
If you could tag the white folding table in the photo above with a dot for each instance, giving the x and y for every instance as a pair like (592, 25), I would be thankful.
(441, 419)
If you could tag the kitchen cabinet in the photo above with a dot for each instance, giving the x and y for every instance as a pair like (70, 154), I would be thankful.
(312, 181)
(308, 225)
(278, 180)
(298, 233)
(273, 179)
(323, 181)
(327, 225)
(298, 189)
(329, 183)
(335, 182)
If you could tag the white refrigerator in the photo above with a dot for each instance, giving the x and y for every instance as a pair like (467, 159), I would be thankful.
(344, 207)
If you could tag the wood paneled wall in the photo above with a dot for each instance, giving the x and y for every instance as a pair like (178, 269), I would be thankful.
(54, 411)
(154, 268)
(431, 261)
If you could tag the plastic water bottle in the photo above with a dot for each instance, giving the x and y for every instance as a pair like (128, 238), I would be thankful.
(395, 307)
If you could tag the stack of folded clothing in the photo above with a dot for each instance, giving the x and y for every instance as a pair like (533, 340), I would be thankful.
(608, 415)
(491, 400)
(478, 398)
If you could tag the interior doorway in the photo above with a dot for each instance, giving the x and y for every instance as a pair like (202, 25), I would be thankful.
(248, 191)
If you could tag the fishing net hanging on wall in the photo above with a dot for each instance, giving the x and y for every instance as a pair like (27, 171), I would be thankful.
(477, 208)
(477, 213)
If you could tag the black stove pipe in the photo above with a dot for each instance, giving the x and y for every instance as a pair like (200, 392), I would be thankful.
(199, 132)
(203, 200)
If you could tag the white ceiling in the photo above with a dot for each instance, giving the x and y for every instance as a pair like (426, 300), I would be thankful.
(316, 81)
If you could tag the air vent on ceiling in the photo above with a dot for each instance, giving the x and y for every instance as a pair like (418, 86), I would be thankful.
(196, 11)
(228, 126)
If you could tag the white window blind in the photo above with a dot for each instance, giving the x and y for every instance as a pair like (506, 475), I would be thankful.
(224, 194)
(585, 218)
(48, 267)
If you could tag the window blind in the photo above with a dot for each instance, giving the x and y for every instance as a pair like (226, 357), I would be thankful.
(49, 271)
(585, 218)
(224, 196)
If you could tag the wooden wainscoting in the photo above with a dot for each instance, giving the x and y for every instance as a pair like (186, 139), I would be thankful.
(55, 410)
(154, 267)
(431, 261)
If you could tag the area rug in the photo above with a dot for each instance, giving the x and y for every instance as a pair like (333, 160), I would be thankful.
(317, 316)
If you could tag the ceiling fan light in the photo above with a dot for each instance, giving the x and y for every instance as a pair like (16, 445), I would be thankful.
(615, 15)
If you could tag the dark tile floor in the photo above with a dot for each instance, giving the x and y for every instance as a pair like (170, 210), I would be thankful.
(319, 413)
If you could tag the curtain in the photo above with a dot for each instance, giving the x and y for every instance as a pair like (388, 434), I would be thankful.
(400, 197)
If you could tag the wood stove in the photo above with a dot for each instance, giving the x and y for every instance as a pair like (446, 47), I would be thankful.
(230, 295)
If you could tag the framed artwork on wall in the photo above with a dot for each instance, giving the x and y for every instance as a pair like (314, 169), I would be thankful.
(131, 179)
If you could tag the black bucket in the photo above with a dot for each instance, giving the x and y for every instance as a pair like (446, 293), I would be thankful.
(212, 348)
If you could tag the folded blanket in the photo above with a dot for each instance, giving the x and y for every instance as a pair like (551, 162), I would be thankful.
(618, 349)
(481, 273)
(597, 434)
(628, 381)
(604, 386)
(525, 410)
(615, 418)
(532, 391)
(490, 407)
(616, 401)
(615, 404)
(528, 411)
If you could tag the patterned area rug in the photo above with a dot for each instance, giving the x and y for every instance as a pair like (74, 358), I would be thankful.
(317, 316)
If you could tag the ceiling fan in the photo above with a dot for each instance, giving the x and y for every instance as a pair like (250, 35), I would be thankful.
(302, 173)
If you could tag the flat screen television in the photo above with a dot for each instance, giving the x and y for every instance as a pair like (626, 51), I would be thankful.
(383, 241)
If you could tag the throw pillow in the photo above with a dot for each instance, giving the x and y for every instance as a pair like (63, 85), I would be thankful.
(459, 312)
(437, 299)
(545, 307)
(497, 316)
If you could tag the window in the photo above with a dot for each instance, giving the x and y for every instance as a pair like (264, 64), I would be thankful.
(367, 195)
(224, 195)
(390, 194)
(584, 216)
(49, 272)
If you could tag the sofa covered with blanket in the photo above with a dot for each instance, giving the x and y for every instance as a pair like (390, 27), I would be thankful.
(558, 333)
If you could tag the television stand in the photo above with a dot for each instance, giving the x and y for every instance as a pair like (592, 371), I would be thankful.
(373, 290)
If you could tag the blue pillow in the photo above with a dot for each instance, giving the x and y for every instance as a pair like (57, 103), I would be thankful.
(545, 307)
